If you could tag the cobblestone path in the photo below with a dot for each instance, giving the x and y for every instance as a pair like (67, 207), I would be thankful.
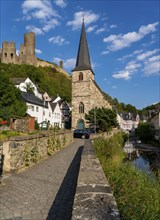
(44, 191)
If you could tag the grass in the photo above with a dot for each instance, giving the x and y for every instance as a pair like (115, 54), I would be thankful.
(136, 193)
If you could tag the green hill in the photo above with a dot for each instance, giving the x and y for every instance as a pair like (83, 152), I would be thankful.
(47, 79)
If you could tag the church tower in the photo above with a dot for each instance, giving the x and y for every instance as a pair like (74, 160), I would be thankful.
(85, 92)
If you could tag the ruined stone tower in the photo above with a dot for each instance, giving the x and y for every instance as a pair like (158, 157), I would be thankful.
(27, 51)
(8, 54)
(85, 92)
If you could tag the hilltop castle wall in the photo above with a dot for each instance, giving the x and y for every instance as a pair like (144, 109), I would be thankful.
(26, 54)
(8, 54)
(27, 51)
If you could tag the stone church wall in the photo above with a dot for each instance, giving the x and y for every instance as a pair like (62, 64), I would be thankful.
(98, 100)
(87, 92)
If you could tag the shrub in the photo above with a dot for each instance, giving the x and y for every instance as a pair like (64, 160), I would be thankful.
(137, 194)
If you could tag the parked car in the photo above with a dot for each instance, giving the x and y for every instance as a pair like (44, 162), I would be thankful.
(81, 133)
(91, 130)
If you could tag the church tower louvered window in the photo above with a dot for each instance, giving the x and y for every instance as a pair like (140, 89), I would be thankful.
(81, 108)
(80, 76)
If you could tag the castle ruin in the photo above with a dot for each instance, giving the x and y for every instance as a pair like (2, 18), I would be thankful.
(26, 54)
(27, 51)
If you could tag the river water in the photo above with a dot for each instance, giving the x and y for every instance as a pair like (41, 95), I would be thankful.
(143, 157)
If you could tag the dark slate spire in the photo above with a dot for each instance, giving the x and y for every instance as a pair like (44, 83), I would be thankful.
(83, 58)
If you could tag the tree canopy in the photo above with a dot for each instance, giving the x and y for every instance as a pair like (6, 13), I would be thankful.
(145, 131)
(105, 119)
(47, 79)
(11, 104)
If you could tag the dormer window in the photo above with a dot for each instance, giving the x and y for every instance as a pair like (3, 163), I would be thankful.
(80, 76)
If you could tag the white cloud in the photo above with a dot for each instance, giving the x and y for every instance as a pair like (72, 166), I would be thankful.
(89, 17)
(100, 30)
(68, 63)
(17, 52)
(58, 40)
(105, 52)
(38, 51)
(154, 58)
(94, 65)
(42, 12)
(120, 41)
(113, 26)
(152, 66)
(34, 29)
(51, 24)
(114, 87)
(60, 3)
(91, 28)
(38, 9)
(104, 19)
(122, 59)
(143, 56)
(56, 60)
(128, 71)
(122, 75)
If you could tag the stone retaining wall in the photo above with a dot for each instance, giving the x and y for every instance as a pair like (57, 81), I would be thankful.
(23, 151)
(93, 199)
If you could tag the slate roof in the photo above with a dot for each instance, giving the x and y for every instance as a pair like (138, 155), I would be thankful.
(53, 105)
(30, 98)
(127, 116)
(83, 58)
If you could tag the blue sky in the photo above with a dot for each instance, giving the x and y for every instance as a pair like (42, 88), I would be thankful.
(123, 39)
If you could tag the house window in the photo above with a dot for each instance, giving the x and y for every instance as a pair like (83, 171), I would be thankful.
(80, 76)
(11, 55)
(37, 110)
(5, 54)
(49, 114)
(81, 108)
(29, 106)
(32, 107)
(43, 113)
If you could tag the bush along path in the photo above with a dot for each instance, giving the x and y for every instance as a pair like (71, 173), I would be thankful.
(137, 194)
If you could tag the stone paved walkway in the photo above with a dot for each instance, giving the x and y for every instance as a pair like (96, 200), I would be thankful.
(44, 191)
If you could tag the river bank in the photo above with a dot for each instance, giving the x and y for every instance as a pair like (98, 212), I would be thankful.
(136, 193)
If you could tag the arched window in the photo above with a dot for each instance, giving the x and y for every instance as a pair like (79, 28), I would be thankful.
(81, 108)
(80, 76)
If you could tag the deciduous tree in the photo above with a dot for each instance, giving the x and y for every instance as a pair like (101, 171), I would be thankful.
(105, 119)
